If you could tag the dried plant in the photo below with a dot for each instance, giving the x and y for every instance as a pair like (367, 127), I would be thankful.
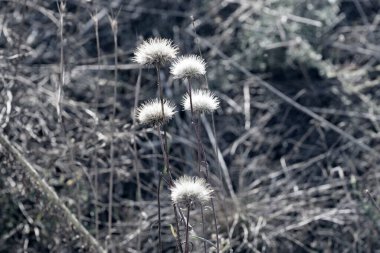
(276, 112)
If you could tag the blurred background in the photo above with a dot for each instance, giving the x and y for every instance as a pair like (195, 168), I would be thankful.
(298, 131)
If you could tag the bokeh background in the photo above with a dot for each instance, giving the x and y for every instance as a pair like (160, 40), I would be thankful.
(297, 131)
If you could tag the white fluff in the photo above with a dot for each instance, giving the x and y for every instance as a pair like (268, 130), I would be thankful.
(188, 190)
(204, 101)
(155, 51)
(188, 66)
(150, 112)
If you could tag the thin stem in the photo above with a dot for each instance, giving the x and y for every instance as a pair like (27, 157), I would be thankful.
(158, 192)
(215, 148)
(203, 229)
(112, 153)
(165, 153)
(96, 106)
(159, 211)
(179, 245)
(216, 225)
(61, 8)
(160, 89)
(201, 146)
(212, 201)
(198, 46)
(135, 153)
(135, 166)
(165, 139)
(187, 229)
(193, 123)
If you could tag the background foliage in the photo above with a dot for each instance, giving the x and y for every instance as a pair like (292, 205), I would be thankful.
(300, 185)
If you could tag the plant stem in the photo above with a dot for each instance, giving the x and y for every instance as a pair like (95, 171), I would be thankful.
(199, 148)
(216, 225)
(158, 195)
(193, 123)
(96, 105)
(135, 166)
(187, 229)
(135, 153)
(203, 229)
(179, 245)
(165, 153)
(159, 212)
(158, 192)
(110, 190)
(165, 140)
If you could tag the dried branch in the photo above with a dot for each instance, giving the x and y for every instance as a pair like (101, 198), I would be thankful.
(50, 193)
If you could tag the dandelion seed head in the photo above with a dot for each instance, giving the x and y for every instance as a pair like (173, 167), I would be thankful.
(150, 112)
(155, 51)
(189, 66)
(204, 101)
(188, 190)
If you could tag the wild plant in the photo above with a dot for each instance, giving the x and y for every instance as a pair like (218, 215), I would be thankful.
(157, 112)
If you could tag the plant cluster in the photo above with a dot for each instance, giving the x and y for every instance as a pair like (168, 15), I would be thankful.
(186, 191)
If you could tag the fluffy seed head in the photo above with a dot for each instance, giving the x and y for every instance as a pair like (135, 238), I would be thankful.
(204, 101)
(150, 112)
(188, 66)
(155, 51)
(188, 190)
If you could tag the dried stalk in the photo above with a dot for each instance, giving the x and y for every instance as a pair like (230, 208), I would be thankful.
(50, 194)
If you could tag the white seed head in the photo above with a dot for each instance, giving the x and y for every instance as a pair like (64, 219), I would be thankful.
(150, 112)
(204, 101)
(188, 190)
(155, 51)
(188, 66)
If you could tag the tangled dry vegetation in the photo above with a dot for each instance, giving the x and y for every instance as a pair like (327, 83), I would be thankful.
(297, 134)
